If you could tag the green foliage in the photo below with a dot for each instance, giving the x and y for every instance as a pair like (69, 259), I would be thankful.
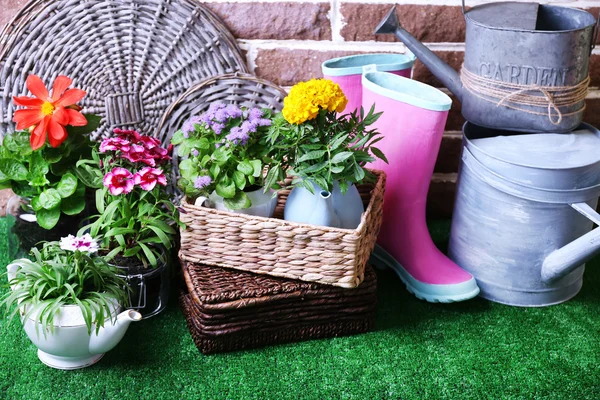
(233, 167)
(141, 223)
(55, 277)
(48, 175)
(324, 150)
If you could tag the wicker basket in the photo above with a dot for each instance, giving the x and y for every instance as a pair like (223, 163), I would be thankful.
(229, 310)
(133, 58)
(282, 248)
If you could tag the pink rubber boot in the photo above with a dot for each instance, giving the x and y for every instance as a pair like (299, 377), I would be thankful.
(347, 72)
(413, 120)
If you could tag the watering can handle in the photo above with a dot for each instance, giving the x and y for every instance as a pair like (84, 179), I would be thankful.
(563, 261)
(595, 34)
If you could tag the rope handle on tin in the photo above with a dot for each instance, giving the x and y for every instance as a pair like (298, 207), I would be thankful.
(527, 98)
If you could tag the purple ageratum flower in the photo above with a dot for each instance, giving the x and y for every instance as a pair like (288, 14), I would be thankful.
(202, 181)
(189, 126)
(195, 153)
(218, 128)
(248, 127)
(238, 136)
(214, 107)
(233, 111)
(263, 122)
(221, 115)
(254, 114)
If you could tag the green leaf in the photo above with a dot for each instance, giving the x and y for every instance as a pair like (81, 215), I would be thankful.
(38, 168)
(313, 155)
(67, 185)
(53, 155)
(258, 168)
(272, 176)
(221, 154)
(23, 189)
(100, 194)
(187, 166)
(341, 157)
(35, 203)
(319, 180)
(215, 170)
(245, 167)
(359, 173)
(50, 199)
(48, 219)
(226, 191)
(149, 254)
(238, 202)
(177, 138)
(92, 125)
(239, 179)
(315, 168)
(337, 169)
(73, 205)
(379, 154)
(13, 169)
(338, 142)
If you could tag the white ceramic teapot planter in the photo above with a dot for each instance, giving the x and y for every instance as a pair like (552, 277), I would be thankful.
(263, 204)
(70, 346)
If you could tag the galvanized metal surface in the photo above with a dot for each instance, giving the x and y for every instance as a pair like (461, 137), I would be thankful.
(555, 53)
(526, 240)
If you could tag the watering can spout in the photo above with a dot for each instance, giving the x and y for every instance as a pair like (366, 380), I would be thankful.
(563, 261)
(449, 77)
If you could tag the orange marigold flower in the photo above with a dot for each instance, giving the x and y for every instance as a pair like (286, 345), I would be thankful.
(48, 115)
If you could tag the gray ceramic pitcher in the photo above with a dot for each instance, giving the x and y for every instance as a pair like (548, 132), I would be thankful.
(524, 213)
(538, 48)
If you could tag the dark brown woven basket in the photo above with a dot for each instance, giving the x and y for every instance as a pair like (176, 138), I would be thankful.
(282, 248)
(133, 58)
(232, 310)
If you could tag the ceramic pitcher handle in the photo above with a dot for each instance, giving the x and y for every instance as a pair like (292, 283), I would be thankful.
(200, 201)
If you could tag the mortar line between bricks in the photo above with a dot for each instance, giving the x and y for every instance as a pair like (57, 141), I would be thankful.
(337, 21)
(456, 3)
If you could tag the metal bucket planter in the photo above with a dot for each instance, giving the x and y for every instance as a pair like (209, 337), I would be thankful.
(526, 65)
(524, 212)
(150, 288)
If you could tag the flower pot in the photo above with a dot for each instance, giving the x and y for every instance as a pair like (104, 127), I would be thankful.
(263, 204)
(68, 345)
(325, 208)
(150, 287)
(25, 232)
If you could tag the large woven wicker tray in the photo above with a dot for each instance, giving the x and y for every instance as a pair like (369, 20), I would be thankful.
(230, 310)
(133, 58)
(282, 248)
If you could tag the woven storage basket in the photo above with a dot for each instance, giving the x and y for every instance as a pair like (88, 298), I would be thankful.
(132, 57)
(229, 310)
(282, 248)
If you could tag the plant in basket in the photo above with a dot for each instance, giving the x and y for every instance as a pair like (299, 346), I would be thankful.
(225, 159)
(37, 162)
(68, 298)
(137, 222)
(325, 152)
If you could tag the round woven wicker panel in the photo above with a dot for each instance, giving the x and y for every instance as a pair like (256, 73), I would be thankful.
(133, 57)
(241, 89)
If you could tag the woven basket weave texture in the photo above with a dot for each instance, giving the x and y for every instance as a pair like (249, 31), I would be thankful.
(282, 248)
(132, 57)
(229, 310)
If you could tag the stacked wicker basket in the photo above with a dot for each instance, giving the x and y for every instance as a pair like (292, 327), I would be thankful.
(293, 281)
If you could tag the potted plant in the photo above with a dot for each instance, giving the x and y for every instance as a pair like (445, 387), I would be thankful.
(68, 299)
(224, 160)
(37, 162)
(325, 152)
(137, 221)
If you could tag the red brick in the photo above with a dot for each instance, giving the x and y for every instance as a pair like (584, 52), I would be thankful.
(297, 20)
(440, 200)
(8, 8)
(449, 156)
(425, 22)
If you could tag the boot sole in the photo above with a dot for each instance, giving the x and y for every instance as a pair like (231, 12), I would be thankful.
(432, 293)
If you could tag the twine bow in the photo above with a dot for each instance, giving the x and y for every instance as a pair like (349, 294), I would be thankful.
(527, 98)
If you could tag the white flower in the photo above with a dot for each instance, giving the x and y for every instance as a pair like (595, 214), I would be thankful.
(73, 243)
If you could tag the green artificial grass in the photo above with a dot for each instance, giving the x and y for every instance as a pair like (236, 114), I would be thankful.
(471, 350)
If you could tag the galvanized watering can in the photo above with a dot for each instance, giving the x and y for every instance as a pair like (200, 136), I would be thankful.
(526, 65)
(524, 212)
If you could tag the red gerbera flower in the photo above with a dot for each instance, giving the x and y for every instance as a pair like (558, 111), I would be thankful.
(48, 115)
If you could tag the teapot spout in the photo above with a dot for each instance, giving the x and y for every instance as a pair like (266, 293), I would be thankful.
(109, 336)
(449, 77)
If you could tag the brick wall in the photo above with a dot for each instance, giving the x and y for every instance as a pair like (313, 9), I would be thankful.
(285, 41)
